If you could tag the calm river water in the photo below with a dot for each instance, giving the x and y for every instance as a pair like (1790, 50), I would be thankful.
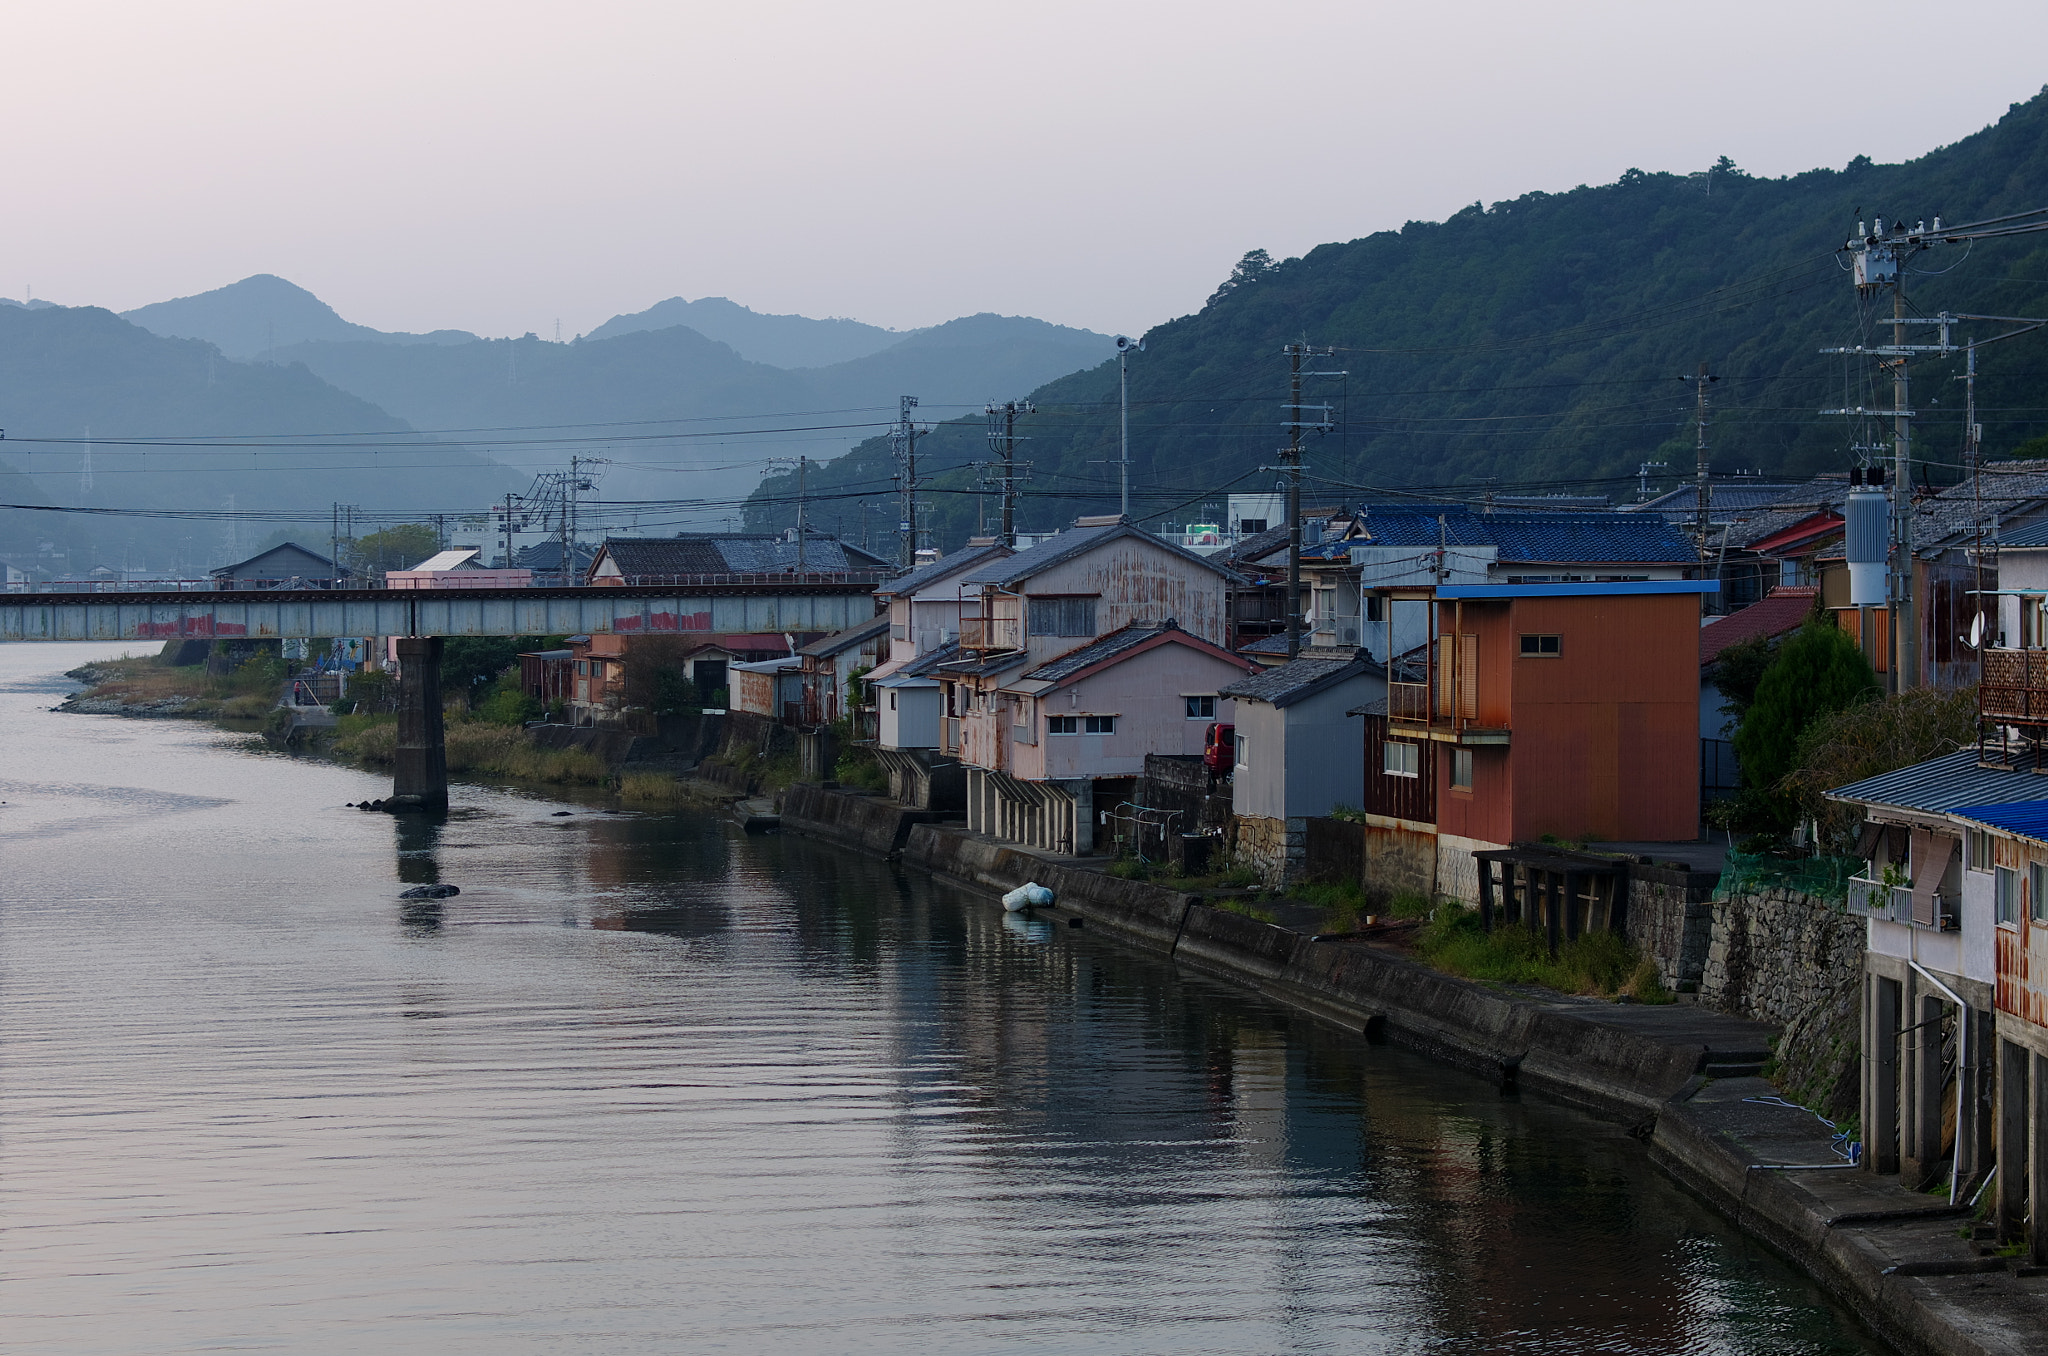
(648, 1085)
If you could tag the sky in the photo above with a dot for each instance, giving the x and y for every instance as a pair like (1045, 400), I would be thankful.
(506, 166)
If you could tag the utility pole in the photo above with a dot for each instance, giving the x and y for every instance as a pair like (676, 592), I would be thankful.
(1005, 473)
(1703, 488)
(904, 443)
(1124, 348)
(1290, 457)
(1905, 620)
(799, 464)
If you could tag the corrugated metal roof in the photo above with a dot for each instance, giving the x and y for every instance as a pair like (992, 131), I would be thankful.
(945, 567)
(2027, 818)
(2033, 534)
(1104, 647)
(1782, 609)
(1290, 683)
(840, 641)
(1073, 542)
(737, 553)
(1939, 785)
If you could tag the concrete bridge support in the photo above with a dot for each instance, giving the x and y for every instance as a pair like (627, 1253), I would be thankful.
(420, 770)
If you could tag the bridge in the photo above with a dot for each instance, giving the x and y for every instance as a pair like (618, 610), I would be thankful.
(788, 604)
(422, 618)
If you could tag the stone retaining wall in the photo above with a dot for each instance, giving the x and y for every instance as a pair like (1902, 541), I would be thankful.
(1794, 961)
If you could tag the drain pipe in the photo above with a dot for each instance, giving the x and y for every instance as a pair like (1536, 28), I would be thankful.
(1962, 1048)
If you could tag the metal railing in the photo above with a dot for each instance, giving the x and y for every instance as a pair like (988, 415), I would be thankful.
(183, 585)
(1894, 903)
(750, 577)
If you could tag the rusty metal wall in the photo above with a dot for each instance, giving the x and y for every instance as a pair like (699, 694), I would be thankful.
(1412, 798)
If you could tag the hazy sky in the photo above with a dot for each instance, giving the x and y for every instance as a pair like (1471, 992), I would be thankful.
(500, 166)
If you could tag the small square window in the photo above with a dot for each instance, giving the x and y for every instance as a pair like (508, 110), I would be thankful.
(1461, 769)
(1542, 647)
(1373, 604)
(1244, 752)
(1398, 758)
(1098, 725)
(1063, 725)
(1980, 849)
(1201, 708)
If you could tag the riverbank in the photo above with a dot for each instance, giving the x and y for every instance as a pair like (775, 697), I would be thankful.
(1685, 1080)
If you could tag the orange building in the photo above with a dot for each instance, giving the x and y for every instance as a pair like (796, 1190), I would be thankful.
(1519, 710)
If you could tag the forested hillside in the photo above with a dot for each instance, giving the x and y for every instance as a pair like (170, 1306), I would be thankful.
(1530, 345)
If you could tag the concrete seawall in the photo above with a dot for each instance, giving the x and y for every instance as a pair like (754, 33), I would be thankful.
(1683, 1078)
(865, 822)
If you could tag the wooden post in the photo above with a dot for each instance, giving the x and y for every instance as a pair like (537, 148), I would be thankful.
(1485, 895)
(1571, 905)
(1552, 884)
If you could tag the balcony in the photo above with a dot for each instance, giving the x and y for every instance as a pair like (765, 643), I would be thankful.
(1894, 904)
(991, 633)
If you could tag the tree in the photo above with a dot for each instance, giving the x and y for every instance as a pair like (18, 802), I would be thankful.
(1737, 672)
(397, 548)
(655, 681)
(1868, 739)
(470, 662)
(1255, 265)
(1818, 670)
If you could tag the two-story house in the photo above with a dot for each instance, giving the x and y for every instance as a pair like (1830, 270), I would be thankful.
(1523, 709)
(1089, 651)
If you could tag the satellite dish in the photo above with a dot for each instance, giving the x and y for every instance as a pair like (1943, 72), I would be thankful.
(1976, 640)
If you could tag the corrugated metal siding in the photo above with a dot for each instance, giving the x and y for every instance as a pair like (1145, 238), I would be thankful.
(1410, 798)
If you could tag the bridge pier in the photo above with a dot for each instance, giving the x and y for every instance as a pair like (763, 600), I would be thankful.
(420, 770)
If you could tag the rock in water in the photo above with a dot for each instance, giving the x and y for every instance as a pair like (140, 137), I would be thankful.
(430, 892)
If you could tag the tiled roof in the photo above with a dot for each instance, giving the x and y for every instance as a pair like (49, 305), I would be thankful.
(1101, 648)
(1256, 547)
(737, 553)
(840, 641)
(980, 665)
(1533, 538)
(1290, 683)
(2009, 489)
(1724, 497)
(1941, 785)
(1777, 612)
(928, 663)
(2027, 818)
(1073, 542)
(945, 567)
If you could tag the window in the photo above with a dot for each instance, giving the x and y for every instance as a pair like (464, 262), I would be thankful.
(2006, 893)
(2037, 892)
(1398, 758)
(1980, 849)
(1098, 725)
(1244, 752)
(1461, 769)
(1542, 647)
(1374, 605)
(892, 700)
(1063, 725)
(1251, 527)
(1201, 708)
(1061, 616)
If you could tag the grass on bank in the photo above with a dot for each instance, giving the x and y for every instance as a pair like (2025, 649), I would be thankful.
(245, 694)
(474, 746)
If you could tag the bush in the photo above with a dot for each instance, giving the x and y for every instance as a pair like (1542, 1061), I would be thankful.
(507, 705)
(1598, 962)
(1818, 670)
(1869, 738)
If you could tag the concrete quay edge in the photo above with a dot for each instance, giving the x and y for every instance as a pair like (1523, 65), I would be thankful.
(1890, 1256)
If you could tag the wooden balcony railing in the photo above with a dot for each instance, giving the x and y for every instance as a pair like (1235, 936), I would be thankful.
(1408, 701)
(991, 633)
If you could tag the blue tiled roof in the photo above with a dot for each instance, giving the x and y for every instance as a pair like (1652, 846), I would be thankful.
(2027, 818)
(1534, 538)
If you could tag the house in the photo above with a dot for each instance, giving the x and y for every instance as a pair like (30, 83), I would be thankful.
(457, 569)
(770, 688)
(1088, 651)
(597, 685)
(924, 607)
(1525, 709)
(1299, 752)
(548, 676)
(1385, 546)
(1955, 888)
(909, 711)
(288, 564)
(691, 556)
(829, 664)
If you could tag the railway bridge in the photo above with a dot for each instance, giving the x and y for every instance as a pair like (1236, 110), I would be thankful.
(421, 619)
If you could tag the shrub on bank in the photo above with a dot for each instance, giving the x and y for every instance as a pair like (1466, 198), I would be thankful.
(474, 746)
(1599, 962)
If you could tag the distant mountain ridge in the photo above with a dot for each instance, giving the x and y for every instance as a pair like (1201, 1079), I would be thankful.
(264, 312)
(778, 340)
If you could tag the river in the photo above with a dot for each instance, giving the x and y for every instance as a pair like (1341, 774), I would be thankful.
(650, 1085)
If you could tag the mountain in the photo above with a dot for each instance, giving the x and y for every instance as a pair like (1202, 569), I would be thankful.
(106, 415)
(262, 313)
(682, 415)
(778, 340)
(1535, 344)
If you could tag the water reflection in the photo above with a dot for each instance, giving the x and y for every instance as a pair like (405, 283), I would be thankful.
(648, 1084)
